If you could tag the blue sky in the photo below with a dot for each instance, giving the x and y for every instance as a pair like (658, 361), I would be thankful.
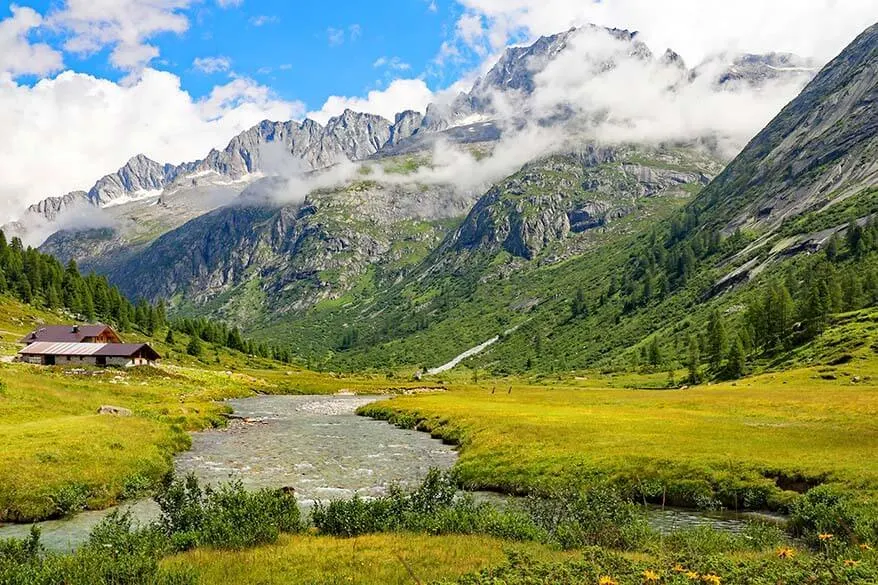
(303, 50)
(87, 84)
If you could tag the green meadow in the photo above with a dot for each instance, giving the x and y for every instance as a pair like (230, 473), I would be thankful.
(389, 559)
(754, 443)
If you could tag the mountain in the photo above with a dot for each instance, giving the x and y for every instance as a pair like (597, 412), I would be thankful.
(473, 117)
(818, 152)
(756, 70)
(648, 267)
(403, 246)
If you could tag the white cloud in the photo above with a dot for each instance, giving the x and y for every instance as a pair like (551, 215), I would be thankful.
(401, 94)
(18, 56)
(229, 3)
(470, 29)
(64, 133)
(262, 20)
(633, 101)
(124, 25)
(394, 63)
(336, 36)
(212, 64)
(694, 28)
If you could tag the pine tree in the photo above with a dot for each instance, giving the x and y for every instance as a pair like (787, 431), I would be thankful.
(716, 340)
(194, 348)
(693, 362)
(655, 352)
(831, 249)
(579, 306)
(736, 365)
(169, 338)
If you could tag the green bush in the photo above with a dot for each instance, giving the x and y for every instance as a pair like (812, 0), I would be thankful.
(590, 516)
(70, 499)
(832, 510)
(114, 555)
(225, 517)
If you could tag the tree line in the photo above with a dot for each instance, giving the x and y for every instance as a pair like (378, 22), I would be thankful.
(783, 311)
(40, 280)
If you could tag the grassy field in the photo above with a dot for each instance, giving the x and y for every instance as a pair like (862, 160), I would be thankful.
(60, 456)
(747, 444)
(367, 560)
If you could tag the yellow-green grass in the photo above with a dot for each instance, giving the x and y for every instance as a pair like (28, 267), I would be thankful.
(53, 440)
(721, 439)
(53, 437)
(367, 560)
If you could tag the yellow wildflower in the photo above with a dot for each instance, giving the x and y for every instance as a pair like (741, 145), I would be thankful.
(785, 552)
(711, 579)
(824, 537)
(865, 547)
(851, 563)
(650, 576)
(607, 581)
(692, 575)
(679, 569)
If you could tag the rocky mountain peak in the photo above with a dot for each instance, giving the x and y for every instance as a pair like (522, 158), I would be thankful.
(821, 148)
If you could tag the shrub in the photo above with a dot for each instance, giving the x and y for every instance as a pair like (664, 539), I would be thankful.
(69, 499)
(225, 517)
(591, 516)
(830, 509)
(114, 555)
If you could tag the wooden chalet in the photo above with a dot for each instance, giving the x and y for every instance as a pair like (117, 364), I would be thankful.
(88, 345)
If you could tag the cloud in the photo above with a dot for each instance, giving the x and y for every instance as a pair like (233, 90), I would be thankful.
(262, 20)
(470, 29)
(66, 132)
(401, 94)
(229, 3)
(124, 25)
(18, 56)
(694, 28)
(644, 100)
(394, 63)
(212, 64)
(338, 36)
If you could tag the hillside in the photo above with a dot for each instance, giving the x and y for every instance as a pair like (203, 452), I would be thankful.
(657, 282)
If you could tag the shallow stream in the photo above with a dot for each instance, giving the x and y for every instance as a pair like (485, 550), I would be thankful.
(321, 448)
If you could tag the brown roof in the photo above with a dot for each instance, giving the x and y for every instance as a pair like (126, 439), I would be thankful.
(64, 333)
(125, 350)
(128, 350)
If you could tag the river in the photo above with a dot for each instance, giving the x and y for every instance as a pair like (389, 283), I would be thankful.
(321, 448)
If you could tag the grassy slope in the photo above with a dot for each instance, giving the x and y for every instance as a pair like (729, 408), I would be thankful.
(743, 443)
(364, 560)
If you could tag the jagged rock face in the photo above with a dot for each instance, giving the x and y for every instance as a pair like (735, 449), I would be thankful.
(351, 136)
(138, 175)
(822, 148)
(405, 125)
(517, 67)
(299, 253)
(732, 71)
(549, 199)
(50, 208)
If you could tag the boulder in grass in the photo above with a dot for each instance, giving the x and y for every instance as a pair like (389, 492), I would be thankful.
(114, 411)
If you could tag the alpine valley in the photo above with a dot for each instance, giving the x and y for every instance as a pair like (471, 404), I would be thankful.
(633, 301)
(408, 242)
